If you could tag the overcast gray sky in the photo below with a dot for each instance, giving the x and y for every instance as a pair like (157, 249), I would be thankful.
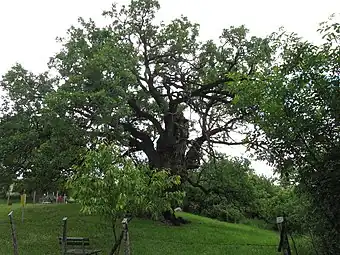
(29, 27)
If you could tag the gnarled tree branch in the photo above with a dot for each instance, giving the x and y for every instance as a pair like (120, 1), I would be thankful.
(146, 144)
(133, 104)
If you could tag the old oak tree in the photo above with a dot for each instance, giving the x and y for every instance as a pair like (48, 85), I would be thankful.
(145, 87)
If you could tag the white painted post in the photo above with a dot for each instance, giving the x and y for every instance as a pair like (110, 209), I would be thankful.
(279, 221)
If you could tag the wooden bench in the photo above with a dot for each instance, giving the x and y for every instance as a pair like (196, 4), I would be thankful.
(77, 245)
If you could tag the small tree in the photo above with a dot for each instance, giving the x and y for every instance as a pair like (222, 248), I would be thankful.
(114, 187)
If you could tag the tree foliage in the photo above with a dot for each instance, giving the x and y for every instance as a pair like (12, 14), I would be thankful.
(109, 185)
(35, 143)
(227, 189)
(298, 116)
(156, 90)
(134, 83)
(113, 187)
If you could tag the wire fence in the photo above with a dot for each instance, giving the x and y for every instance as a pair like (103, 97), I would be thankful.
(54, 222)
(159, 240)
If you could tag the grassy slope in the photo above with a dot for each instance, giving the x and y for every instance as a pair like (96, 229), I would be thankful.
(38, 234)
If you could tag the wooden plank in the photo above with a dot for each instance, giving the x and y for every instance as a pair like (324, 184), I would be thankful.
(75, 241)
(81, 251)
(76, 238)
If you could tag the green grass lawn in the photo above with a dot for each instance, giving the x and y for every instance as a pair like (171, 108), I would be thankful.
(43, 224)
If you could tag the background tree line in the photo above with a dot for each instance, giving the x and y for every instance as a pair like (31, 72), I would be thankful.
(229, 190)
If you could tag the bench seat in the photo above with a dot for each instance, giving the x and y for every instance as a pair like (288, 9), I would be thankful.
(78, 245)
(81, 251)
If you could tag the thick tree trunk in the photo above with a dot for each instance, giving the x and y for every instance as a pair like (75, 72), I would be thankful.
(173, 159)
(171, 218)
(172, 145)
(171, 154)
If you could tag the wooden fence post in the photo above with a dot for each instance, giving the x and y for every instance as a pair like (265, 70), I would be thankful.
(34, 194)
(284, 241)
(126, 237)
(64, 236)
(10, 189)
(14, 236)
(23, 204)
(8, 197)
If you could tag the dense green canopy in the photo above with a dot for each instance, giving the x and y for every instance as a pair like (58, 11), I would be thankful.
(130, 83)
